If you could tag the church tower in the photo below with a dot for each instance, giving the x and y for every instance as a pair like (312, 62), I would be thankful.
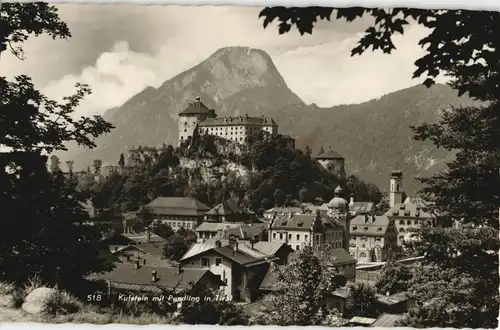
(396, 188)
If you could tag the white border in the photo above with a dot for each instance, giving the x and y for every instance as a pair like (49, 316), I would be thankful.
(493, 5)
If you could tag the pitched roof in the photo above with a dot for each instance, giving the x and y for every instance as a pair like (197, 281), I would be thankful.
(215, 226)
(340, 256)
(369, 225)
(362, 320)
(303, 222)
(227, 207)
(284, 210)
(196, 108)
(361, 207)
(393, 299)
(336, 257)
(238, 121)
(409, 210)
(168, 277)
(177, 206)
(245, 255)
(141, 237)
(387, 320)
(328, 154)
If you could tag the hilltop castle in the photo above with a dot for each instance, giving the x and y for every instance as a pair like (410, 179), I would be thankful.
(199, 116)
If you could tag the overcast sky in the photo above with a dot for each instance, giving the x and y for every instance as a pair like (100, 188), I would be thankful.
(120, 49)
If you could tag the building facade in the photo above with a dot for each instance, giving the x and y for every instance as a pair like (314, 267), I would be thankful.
(177, 212)
(408, 217)
(331, 160)
(199, 117)
(373, 238)
(241, 266)
(306, 229)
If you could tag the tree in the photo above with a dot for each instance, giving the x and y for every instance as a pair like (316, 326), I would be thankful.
(468, 189)
(465, 51)
(362, 301)
(308, 150)
(54, 164)
(163, 230)
(395, 278)
(208, 310)
(97, 164)
(178, 244)
(463, 45)
(303, 289)
(121, 161)
(43, 213)
(69, 165)
(279, 197)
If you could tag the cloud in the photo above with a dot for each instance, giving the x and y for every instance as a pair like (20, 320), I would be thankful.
(120, 50)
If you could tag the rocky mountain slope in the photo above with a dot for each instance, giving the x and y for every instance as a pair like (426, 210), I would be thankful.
(373, 136)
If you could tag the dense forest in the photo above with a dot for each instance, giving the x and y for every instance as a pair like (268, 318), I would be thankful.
(266, 172)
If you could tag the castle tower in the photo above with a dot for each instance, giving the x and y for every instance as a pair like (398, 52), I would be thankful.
(332, 161)
(396, 188)
(191, 117)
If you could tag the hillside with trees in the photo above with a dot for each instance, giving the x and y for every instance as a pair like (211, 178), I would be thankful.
(263, 174)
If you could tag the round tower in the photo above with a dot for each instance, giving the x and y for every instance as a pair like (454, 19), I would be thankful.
(190, 118)
(396, 188)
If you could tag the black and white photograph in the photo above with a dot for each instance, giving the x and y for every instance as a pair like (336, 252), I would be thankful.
(249, 166)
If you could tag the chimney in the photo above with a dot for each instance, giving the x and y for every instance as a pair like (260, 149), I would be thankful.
(154, 276)
(137, 265)
(252, 243)
(148, 235)
(351, 200)
(179, 266)
(218, 244)
(235, 246)
(198, 99)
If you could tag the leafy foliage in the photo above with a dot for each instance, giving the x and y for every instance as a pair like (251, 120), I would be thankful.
(457, 286)
(394, 278)
(209, 310)
(362, 301)
(305, 285)
(43, 214)
(469, 188)
(179, 243)
(467, 53)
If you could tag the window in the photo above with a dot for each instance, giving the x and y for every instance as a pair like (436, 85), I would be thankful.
(305, 237)
(353, 245)
(408, 223)
(377, 239)
(362, 255)
(363, 246)
(218, 261)
(298, 237)
(205, 262)
(289, 236)
(274, 235)
(281, 236)
(297, 247)
(401, 230)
